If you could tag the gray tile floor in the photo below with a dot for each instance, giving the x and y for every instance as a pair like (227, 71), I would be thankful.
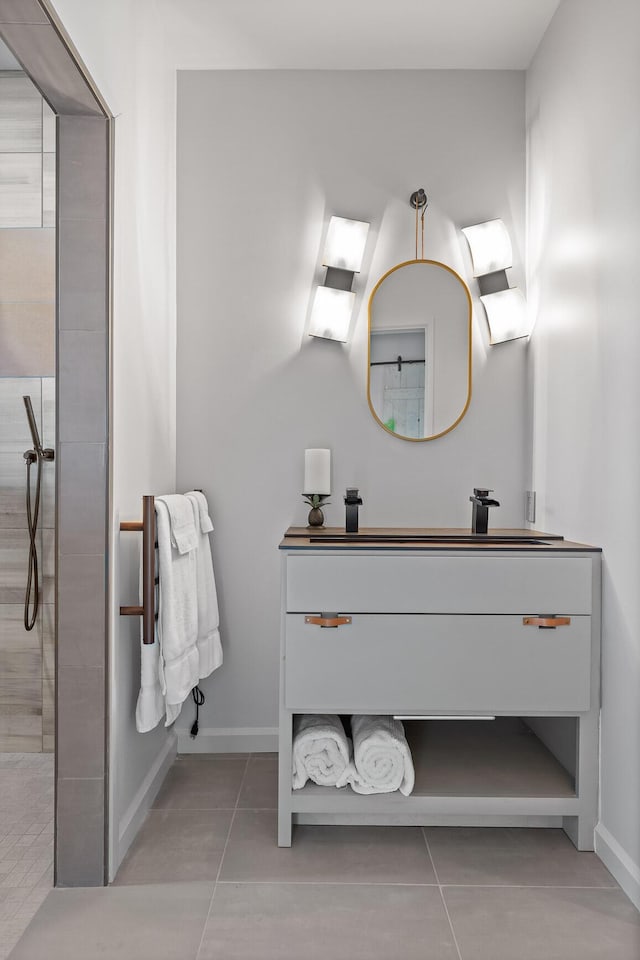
(205, 880)
(26, 841)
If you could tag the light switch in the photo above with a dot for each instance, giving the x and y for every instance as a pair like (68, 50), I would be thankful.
(531, 506)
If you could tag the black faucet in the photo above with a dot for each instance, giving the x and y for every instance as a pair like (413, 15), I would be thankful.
(352, 501)
(481, 503)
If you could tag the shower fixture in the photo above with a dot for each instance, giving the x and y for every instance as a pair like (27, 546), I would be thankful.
(36, 455)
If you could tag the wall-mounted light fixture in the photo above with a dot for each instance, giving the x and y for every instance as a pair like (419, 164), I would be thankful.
(490, 247)
(506, 314)
(505, 306)
(333, 302)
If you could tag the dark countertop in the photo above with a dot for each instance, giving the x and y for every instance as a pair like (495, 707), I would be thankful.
(427, 538)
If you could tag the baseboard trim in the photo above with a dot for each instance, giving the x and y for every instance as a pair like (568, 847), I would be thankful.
(619, 863)
(137, 810)
(229, 740)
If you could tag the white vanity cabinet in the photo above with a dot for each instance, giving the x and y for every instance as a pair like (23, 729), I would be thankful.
(509, 632)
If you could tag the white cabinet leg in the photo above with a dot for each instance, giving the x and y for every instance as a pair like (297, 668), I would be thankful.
(284, 829)
(580, 829)
(284, 778)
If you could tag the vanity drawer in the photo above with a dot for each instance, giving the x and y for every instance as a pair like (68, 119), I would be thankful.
(459, 664)
(414, 584)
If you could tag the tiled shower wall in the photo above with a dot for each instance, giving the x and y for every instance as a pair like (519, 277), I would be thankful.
(27, 230)
(27, 366)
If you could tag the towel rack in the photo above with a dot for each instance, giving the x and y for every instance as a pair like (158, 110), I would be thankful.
(149, 580)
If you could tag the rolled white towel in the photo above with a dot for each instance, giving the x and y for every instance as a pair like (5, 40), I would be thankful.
(321, 750)
(381, 757)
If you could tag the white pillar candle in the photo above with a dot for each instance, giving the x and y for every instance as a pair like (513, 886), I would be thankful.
(317, 471)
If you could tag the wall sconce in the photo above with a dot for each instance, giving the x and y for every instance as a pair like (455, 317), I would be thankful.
(505, 306)
(333, 302)
(490, 247)
(506, 314)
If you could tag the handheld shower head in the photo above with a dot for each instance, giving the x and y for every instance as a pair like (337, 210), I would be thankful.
(33, 426)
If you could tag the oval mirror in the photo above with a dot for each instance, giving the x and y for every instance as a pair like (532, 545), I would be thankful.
(419, 377)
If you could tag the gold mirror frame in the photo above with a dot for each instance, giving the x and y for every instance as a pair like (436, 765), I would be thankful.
(398, 266)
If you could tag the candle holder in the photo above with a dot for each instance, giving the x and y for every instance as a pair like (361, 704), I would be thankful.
(316, 501)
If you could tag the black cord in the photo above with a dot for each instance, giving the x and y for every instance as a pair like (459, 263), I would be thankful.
(33, 581)
(198, 699)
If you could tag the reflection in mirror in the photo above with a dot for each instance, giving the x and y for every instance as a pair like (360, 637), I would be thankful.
(397, 386)
(419, 350)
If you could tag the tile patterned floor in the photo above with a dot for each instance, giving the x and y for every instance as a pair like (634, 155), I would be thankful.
(205, 880)
(26, 841)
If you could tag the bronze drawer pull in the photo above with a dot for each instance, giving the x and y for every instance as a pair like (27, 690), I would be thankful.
(548, 623)
(328, 621)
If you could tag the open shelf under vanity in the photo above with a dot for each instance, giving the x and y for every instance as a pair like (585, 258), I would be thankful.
(466, 771)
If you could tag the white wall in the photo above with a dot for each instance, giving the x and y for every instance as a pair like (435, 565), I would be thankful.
(116, 42)
(264, 158)
(584, 250)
